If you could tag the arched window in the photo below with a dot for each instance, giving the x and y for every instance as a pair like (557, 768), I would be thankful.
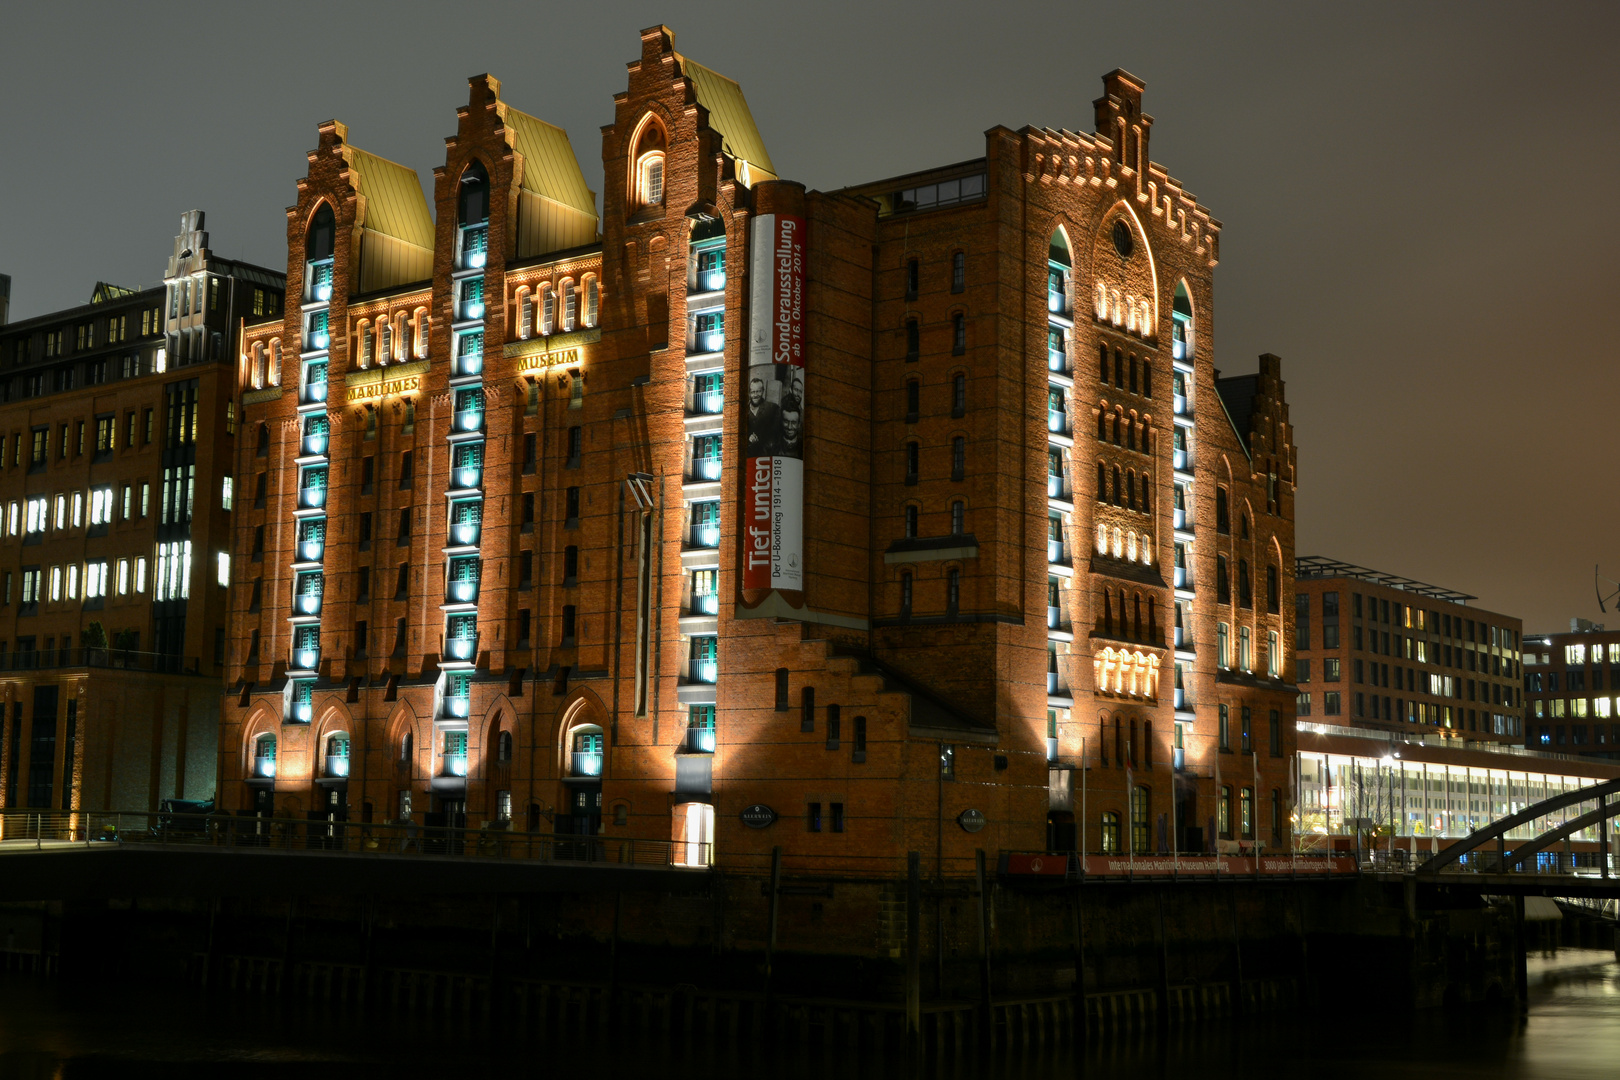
(1119, 542)
(1119, 495)
(1245, 596)
(1102, 426)
(257, 376)
(570, 298)
(1102, 362)
(1130, 495)
(1102, 482)
(273, 376)
(1223, 585)
(264, 440)
(472, 202)
(592, 300)
(406, 749)
(1223, 523)
(503, 748)
(1147, 502)
(648, 166)
(911, 522)
(321, 238)
(1273, 591)
(905, 594)
(1181, 324)
(548, 309)
(1116, 428)
(958, 517)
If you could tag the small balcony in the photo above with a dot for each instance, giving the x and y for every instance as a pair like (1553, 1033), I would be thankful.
(708, 341)
(1057, 360)
(1178, 759)
(1057, 552)
(457, 707)
(1181, 694)
(706, 469)
(705, 536)
(1179, 403)
(311, 498)
(1055, 487)
(306, 659)
(711, 280)
(302, 712)
(320, 281)
(705, 604)
(468, 419)
(307, 604)
(1057, 422)
(1054, 685)
(311, 546)
(468, 363)
(1181, 346)
(470, 309)
(466, 477)
(454, 764)
(1181, 459)
(708, 404)
(698, 741)
(465, 534)
(461, 592)
(1182, 577)
(314, 445)
(461, 648)
(264, 767)
(1180, 637)
(1057, 303)
(582, 763)
(701, 671)
(1180, 519)
(336, 765)
(1051, 749)
(474, 247)
(1054, 618)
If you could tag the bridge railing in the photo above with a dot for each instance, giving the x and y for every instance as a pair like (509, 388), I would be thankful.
(39, 828)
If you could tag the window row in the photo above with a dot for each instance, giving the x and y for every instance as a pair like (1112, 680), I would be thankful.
(1117, 542)
(1127, 370)
(545, 309)
(913, 452)
(958, 397)
(958, 519)
(67, 510)
(88, 581)
(958, 336)
(1132, 432)
(1245, 650)
(958, 263)
(952, 598)
(1127, 489)
(112, 330)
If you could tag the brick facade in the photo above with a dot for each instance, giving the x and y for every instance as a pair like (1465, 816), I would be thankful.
(620, 681)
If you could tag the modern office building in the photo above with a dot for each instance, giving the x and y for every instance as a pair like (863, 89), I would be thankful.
(911, 516)
(116, 437)
(1386, 652)
(1571, 682)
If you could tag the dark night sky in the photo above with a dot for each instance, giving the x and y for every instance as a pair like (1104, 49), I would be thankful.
(1417, 198)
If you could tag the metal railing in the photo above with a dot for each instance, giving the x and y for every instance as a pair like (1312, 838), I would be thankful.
(36, 829)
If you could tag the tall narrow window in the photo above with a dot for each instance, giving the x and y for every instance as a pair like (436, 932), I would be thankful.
(958, 272)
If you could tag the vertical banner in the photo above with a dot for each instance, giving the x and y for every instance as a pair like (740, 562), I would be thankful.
(772, 519)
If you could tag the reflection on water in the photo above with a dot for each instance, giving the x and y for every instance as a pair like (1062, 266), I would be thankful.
(53, 1032)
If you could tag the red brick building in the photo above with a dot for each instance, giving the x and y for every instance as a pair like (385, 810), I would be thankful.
(1381, 651)
(117, 434)
(911, 516)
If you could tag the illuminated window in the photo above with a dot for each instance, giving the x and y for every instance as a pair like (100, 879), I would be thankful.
(223, 568)
(123, 577)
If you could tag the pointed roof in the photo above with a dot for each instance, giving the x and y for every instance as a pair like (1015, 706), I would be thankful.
(729, 115)
(395, 204)
(550, 169)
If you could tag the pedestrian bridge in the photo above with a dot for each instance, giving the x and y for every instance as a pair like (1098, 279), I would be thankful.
(63, 855)
(1484, 862)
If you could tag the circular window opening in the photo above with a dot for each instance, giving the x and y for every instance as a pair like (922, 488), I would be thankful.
(1124, 242)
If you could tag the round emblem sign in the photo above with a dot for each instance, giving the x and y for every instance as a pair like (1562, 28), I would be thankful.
(971, 820)
(758, 816)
